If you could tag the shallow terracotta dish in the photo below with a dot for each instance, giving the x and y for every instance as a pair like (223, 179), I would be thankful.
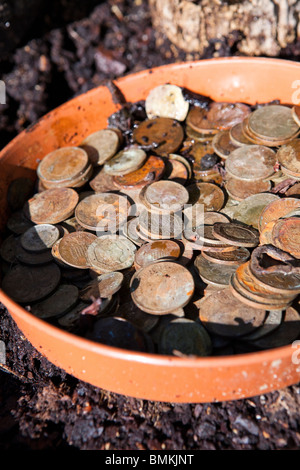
(150, 376)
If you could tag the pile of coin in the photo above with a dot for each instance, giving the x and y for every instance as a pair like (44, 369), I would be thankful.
(168, 236)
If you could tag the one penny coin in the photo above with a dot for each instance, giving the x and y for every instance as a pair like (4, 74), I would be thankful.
(73, 249)
(223, 145)
(62, 166)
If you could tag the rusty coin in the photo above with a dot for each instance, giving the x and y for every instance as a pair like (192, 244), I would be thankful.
(238, 256)
(273, 122)
(160, 226)
(73, 249)
(102, 212)
(51, 206)
(251, 162)
(212, 273)
(102, 182)
(165, 135)
(236, 234)
(104, 286)
(108, 254)
(101, 145)
(277, 209)
(157, 250)
(166, 196)
(208, 194)
(223, 314)
(161, 288)
(176, 171)
(250, 209)
(223, 145)
(286, 235)
(237, 136)
(289, 156)
(151, 171)
(240, 189)
(126, 161)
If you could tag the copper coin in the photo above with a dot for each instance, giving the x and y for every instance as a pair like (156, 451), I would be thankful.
(166, 101)
(160, 226)
(52, 206)
(166, 195)
(205, 234)
(33, 282)
(105, 286)
(289, 156)
(274, 122)
(212, 273)
(63, 165)
(18, 192)
(176, 171)
(78, 182)
(286, 235)
(198, 121)
(126, 161)
(265, 235)
(248, 282)
(165, 135)
(290, 173)
(73, 249)
(226, 115)
(277, 209)
(240, 189)
(151, 171)
(102, 182)
(285, 334)
(253, 301)
(251, 162)
(101, 145)
(109, 254)
(223, 145)
(238, 256)
(157, 250)
(130, 231)
(160, 288)
(184, 337)
(237, 136)
(250, 209)
(183, 160)
(282, 283)
(59, 302)
(102, 212)
(208, 194)
(197, 136)
(40, 237)
(223, 314)
(236, 234)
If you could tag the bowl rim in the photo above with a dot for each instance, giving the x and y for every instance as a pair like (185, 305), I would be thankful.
(154, 359)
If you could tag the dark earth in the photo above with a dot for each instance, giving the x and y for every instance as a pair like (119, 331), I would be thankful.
(66, 49)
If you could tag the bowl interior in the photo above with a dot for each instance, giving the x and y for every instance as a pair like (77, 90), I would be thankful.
(150, 376)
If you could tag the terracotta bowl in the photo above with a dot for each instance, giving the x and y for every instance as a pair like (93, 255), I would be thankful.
(151, 376)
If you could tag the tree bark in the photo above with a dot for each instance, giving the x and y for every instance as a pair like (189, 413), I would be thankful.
(252, 28)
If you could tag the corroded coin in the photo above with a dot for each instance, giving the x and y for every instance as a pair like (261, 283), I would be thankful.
(40, 237)
(208, 194)
(62, 166)
(223, 314)
(219, 116)
(109, 254)
(166, 101)
(166, 196)
(51, 206)
(102, 212)
(249, 210)
(286, 235)
(289, 156)
(130, 231)
(104, 286)
(184, 337)
(160, 226)
(251, 162)
(176, 171)
(273, 122)
(101, 145)
(265, 235)
(183, 160)
(102, 182)
(126, 161)
(151, 171)
(73, 249)
(214, 274)
(277, 282)
(236, 234)
(237, 136)
(238, 256)
(63, 299)
(157, 250)
(223, 145)
(197, 120)
(277, 209)
(240, 189)
(33, 282)
(205, 234)
(164, 135)
(160, 288)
